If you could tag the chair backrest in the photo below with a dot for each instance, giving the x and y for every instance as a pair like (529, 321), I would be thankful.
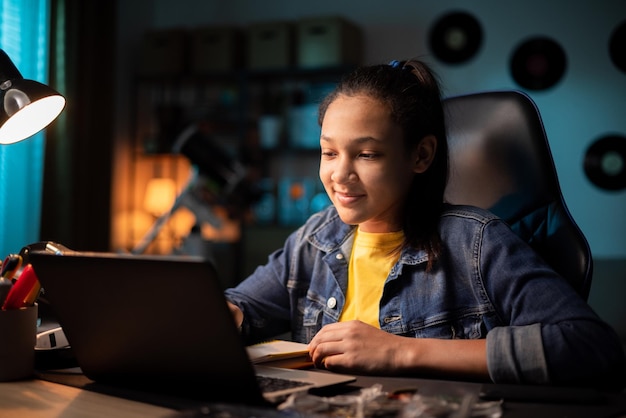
(500, 160)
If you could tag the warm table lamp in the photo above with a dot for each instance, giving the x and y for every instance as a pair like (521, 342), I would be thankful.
(27, 106)
(160, 195)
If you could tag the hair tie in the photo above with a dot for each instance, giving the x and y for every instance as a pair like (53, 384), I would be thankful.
(395, 64)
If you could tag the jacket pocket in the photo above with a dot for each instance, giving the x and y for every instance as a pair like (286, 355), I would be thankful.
(310, 313)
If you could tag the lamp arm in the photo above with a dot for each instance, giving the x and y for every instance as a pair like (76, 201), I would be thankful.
(161, 220)
(157, 225)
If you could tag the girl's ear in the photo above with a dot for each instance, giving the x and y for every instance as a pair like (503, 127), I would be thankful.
(424, 153)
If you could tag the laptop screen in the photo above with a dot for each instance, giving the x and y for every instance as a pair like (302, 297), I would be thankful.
(156, 321)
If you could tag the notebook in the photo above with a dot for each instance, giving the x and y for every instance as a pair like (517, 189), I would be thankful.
(158, 323)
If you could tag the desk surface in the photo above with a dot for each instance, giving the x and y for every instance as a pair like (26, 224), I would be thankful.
(38, 398)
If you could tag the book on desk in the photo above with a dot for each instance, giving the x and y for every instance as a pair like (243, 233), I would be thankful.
(280, 353)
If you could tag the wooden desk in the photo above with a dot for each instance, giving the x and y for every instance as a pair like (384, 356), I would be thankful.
(37, 398)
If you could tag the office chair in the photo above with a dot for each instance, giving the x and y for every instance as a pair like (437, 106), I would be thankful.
(500, 160)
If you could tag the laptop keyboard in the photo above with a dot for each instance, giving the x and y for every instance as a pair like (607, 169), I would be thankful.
(273, 384)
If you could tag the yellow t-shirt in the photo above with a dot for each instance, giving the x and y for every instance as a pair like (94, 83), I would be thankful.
(372, 257)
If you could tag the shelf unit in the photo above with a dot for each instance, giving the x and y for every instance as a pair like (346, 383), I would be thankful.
(266, 120)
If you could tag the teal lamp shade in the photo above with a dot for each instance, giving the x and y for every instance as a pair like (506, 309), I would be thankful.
(27, 106)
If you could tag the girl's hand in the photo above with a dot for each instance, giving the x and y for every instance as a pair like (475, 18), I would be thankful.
(237, 314)
(358, 347)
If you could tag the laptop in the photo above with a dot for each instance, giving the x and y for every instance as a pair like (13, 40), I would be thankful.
(158, 323)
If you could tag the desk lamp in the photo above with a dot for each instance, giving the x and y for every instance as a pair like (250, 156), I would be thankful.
(160, 194)
(215, 178)
(26, 106)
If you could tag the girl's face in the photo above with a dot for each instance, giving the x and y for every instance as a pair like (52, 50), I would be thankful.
(365, 167)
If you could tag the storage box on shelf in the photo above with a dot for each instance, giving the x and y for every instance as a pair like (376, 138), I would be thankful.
(328, 42)
(216, 49)
(163, 52)
(270, 45)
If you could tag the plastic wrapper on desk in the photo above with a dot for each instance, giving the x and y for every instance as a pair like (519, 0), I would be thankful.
(369, 402)
(372, 402)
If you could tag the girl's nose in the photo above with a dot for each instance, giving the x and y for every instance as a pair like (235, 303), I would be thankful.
(343, 172)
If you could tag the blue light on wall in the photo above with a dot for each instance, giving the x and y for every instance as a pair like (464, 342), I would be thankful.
(24, 26)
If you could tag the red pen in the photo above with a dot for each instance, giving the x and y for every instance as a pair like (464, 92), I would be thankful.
(11, 265)
(24, 285)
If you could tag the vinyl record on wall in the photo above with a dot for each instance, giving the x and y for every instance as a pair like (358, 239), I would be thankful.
(456, 37)
(617, 46)
(605, 162)
(538, 63)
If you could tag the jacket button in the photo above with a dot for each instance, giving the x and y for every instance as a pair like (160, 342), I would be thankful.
(339, 256)
(331, 303)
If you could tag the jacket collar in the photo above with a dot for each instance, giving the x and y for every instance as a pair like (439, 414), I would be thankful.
(332, 233)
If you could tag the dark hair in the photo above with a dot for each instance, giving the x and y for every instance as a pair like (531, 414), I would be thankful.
(411, 91)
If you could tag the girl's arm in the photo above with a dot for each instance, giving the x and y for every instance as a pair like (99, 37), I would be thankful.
(354, 346)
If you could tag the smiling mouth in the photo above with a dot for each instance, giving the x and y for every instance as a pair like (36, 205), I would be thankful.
(347, 198)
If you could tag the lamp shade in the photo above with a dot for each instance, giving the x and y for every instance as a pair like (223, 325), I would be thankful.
(160, 195)
(26, 106)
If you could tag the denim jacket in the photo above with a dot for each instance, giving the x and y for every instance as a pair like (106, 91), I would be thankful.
(487, 283)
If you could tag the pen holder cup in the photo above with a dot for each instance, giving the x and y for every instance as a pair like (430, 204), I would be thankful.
(18, 336)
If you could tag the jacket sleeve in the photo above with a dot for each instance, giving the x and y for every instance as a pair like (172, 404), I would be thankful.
(264, 297)
(547, 334)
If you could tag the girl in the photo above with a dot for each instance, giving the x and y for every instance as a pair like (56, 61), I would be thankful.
(391, 280)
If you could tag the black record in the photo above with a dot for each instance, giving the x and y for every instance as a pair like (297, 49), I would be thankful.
(456, 37)
(605, 162)
(538, 63)
(617, 47)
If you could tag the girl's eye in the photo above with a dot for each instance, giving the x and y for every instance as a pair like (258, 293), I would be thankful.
(328, 154)
(368, 156)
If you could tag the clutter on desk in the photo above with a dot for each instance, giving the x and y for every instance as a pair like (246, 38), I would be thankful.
(24, 291)
(18, 288)
(21, 300)
(374, 402)
(19, 285)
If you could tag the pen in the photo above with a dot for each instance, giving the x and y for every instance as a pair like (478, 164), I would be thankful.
(5, 288)
(33, 294)
(11, 264)
(24, 285)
